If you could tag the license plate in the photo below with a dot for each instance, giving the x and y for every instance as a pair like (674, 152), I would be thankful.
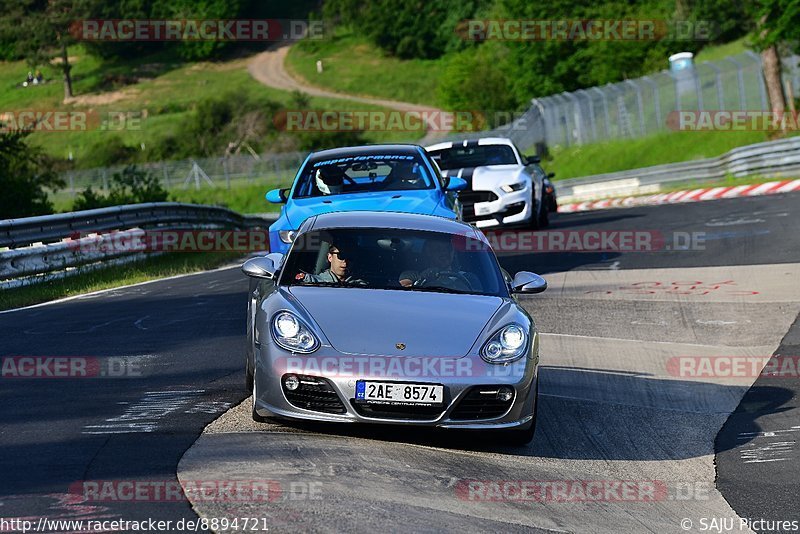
(482, 209)
(399, 393)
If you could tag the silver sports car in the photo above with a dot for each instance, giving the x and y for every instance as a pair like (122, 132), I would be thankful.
(392, 318)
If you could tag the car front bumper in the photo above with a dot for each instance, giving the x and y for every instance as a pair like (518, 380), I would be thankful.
(508, 209)
(469, 374)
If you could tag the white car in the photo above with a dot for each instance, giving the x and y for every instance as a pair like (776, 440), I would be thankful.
(503, 186)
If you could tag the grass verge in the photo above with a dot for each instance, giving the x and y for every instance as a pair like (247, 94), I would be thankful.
(165, 87)
(625, 154)
(351, 64)
(148, 269)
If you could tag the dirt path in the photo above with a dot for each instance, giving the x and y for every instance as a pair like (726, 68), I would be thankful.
(268, 68)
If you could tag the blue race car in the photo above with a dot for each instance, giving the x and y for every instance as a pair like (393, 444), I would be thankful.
(399, 178)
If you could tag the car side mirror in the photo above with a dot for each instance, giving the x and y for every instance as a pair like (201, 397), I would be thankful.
(454, 183)
(532, 159)
(261, 267)
(527, 282)
(277, 196)
(551, 175)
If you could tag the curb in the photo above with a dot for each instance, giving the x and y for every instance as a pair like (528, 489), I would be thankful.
(689, 195)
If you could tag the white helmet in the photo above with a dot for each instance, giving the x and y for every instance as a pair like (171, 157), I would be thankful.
(329, 183)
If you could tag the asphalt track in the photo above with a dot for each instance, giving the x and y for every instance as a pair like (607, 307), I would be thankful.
(611, 407)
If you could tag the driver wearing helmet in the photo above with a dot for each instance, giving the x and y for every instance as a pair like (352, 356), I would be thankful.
(329, 180)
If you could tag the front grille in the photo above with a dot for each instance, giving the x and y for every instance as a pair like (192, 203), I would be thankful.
(390, 411)
(469, 198)
(481, 402)
(315, 394)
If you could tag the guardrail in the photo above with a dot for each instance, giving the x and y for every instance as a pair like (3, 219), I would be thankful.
(779, 158)
(55, 246)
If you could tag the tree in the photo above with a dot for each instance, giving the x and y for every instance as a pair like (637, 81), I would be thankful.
(777, 26)
(42, 31)
(24, 176)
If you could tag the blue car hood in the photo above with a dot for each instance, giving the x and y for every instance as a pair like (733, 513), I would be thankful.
(423, 202)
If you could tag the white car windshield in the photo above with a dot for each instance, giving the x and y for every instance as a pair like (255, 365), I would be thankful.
(461, 157)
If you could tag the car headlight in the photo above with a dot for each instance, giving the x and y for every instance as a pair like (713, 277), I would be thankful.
(287, 236)
(291, 334)
(506, 345)
(510, 188)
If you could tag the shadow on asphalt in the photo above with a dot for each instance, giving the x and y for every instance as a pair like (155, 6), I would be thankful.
(672, 426)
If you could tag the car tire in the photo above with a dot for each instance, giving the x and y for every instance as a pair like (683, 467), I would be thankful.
(534, 223)
(257, 418)
(248, 376)
(544, 217)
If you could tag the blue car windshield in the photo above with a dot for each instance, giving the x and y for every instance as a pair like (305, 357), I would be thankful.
(360, 174)
(406, 260)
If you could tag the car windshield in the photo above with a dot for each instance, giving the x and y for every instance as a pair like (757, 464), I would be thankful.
(461, 157)
(393, 259)
(358, 174)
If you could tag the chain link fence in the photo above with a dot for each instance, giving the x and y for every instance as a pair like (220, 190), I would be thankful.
(628, 109)
(640, 107)
(269, 170)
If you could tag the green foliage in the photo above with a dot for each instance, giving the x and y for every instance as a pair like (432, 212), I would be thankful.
(477, 81)
(406, 28)
(777, 23)
(109, 151)
(131, 186)
(24, 177)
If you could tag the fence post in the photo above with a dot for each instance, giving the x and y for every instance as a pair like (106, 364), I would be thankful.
(656, 100)
(166, 174)
(592, 123)
(605, 110)
(639, 106)
(720, 93)
(576, 117)
(740, 80)
(761, 84)
(225, 172)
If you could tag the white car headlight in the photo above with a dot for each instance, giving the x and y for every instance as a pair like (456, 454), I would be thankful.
(287, 236)
(506, 345)
(291, 334)
(510, 188)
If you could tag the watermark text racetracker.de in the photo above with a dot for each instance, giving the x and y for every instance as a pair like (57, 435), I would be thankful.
(703, 367)
(129, 30)
(585, 30)
(733, 121)
(54, 120)
(590, 490)
(51, 367)
(504, 242)
(139, 240)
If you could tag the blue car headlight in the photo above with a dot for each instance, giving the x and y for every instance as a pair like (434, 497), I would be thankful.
(291, 334)
(506, 345)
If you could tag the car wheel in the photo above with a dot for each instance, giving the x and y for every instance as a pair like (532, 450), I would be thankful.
(535, 220)
(248, 376)
(544, 217)
(257, 418)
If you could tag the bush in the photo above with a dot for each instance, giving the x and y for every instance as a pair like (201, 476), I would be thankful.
(131, 186)
(108, 152)
(25, 174)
